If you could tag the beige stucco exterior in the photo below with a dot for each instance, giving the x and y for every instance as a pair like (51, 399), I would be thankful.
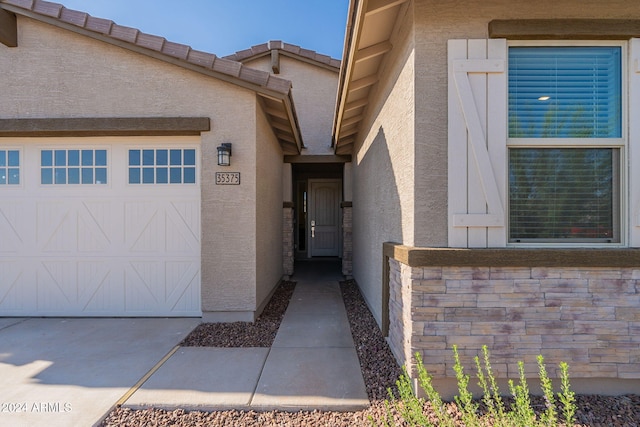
(268, 232)
(314, 86)
(314, 90)
(55, 73)
(400, 154)
(435, 23)
(383, 167)
(400, 180)
(395, 186)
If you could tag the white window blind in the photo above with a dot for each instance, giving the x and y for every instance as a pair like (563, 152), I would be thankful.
(565, 92)
(563, 193)
(572, 193)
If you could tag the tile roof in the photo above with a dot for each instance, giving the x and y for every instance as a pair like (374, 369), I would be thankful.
(286, 48)
(136, 38)
(275, 91)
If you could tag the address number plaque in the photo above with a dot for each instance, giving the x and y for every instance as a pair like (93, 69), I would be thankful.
(227, 178)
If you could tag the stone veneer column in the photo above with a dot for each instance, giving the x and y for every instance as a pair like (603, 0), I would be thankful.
(399, 306)
(287, 239)
(578, 306)
(347, 239)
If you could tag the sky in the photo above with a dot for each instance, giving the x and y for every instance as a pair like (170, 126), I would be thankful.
(224, 27)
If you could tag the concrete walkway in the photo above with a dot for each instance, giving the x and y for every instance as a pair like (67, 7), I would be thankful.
(71, 372)
(311, 365)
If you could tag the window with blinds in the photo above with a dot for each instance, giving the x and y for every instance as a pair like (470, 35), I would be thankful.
(565, 190)
(563, 193)
(565, 92)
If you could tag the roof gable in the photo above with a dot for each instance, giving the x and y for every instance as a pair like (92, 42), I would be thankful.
(277, 47)
(275, 91)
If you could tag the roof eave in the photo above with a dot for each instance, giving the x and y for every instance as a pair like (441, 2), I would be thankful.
(366, 45)
(274, 87)
(355, 17)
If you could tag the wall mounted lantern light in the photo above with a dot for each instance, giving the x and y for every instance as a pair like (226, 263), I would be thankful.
(224, 154)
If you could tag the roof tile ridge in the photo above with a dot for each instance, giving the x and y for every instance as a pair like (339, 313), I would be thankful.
(275, 44)
(292, 48)
(98, 25)
(124, 33)
(285, 47)
(279, 84)
(226, 65)
(25, 4)
(47, 8)
(74, 17)
(201, 58)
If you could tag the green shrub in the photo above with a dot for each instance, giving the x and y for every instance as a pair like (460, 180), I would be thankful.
(432, 411)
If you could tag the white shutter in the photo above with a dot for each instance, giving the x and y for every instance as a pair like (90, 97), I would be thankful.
(477, 155)
(634, 141)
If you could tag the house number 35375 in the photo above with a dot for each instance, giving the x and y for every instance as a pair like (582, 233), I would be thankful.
(227, 178)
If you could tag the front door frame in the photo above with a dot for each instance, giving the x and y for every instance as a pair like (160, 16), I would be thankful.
(311, 216)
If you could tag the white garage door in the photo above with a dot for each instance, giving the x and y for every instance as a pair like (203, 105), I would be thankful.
(100, 227)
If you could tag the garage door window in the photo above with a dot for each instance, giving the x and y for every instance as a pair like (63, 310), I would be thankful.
(73, 166)
(162, 166)
(9, 167)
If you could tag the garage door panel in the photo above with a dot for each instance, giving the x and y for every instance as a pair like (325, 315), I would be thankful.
(190, 215)
(143, 227)
(13, 298)
(183, 296)
(160, 227)
(56, 286)
(95, 226)
(177, 293)
(112, 249)
(181, 227)
(180, 277)
(95, 290)
(144, 287)
(102, 288)
(55, 227)
(11, 228)
(72, 227)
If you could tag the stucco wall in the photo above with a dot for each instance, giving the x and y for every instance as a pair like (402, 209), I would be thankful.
(57, 73)
(435, 23)
(268, 211)
(314, 97)
(383, 168)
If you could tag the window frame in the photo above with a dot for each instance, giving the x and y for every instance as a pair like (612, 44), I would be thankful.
(621, 209)
(66, 148)
(6, 149)
(155, 148)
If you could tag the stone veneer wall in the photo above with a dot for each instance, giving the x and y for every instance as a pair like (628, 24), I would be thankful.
(587, 317)
(287, 240)
(347, 239)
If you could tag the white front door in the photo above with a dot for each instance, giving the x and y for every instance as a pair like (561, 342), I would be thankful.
(100, 227)
(324, 217)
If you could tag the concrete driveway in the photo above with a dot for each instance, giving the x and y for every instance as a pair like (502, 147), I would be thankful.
(71, 371)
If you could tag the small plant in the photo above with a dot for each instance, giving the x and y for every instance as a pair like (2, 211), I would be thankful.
(522, 413)
(413, 410)
(490, 391)
(566, 396)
